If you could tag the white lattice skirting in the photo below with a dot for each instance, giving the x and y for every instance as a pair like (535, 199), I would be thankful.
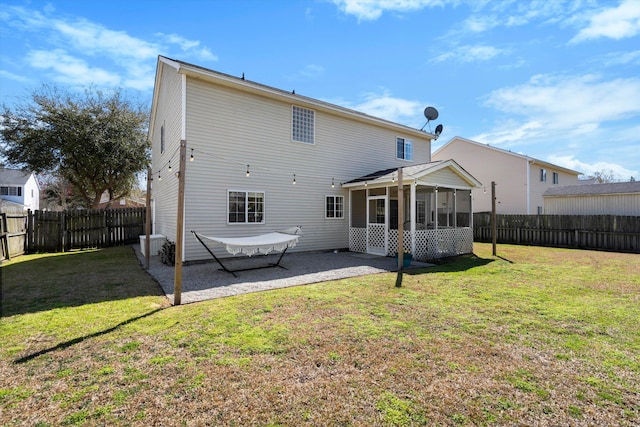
(429, 244)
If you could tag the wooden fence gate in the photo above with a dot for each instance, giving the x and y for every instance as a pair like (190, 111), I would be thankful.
(44, 231)
(600, 232)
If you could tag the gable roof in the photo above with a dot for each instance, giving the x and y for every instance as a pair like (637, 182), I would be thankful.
(245, 85)
(14, 176)
(594, 189)
(414, 172)
(509, 152)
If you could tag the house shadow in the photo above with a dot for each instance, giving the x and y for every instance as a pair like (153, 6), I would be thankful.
(70, 279)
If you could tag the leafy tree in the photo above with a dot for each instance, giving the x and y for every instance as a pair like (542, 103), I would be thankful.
(94, 141)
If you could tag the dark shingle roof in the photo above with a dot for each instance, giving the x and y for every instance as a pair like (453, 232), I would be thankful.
(13, 176)
(593, 189)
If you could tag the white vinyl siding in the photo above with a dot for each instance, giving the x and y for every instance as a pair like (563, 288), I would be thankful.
(167, 126)
(223, 144)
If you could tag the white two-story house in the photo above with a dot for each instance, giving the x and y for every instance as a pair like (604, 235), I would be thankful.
(260, 159)
(20, 187)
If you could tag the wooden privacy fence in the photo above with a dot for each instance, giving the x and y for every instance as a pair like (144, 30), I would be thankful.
(12, 234)
(601, 232)
(77, 229)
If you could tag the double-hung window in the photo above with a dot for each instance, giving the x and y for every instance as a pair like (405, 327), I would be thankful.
(245, 207)
(556, 178)
(404, 149)
(334, 207)
(543, 175)
(303, 125)
(10, 191)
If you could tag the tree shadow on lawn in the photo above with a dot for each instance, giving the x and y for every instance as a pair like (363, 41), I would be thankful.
(452, 264)
(49, 281)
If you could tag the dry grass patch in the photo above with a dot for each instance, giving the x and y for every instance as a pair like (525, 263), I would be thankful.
(538, 337)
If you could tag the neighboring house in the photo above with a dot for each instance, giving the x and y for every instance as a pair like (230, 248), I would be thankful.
(265, 159)
(614, 198)
(520, 180)
(120, 203)
(21, 187)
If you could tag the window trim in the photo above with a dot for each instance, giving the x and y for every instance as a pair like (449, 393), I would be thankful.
(556, 178)
(543, 175)
(7, 188)
(313, 136)
(334, 197)
(246, 209)
(406, 142)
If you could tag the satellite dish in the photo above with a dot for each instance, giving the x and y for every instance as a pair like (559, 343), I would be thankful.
(438, 131)
(430, 113)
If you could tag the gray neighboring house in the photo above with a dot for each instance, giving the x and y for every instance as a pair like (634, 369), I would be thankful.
(20, 187)
(617, 198)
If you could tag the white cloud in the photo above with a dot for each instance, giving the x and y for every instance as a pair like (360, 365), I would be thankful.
(124, 59)
(570, 102)
(385, 106)
(94, 39)
(470, 54)
(189, 46)
(571, 162)
(71, 70)
(370, 10)
(616, 23)
(12, 76)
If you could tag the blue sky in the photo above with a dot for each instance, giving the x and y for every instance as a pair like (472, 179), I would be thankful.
(555, 80)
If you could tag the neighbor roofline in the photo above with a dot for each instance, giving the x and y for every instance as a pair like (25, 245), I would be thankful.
(530, 159)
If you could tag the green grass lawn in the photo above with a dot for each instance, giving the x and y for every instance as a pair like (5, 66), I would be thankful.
(537, 336)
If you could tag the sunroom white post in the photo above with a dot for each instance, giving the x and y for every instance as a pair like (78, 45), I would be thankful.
(412, 201)
(471, 209)
(455, 209)
(366, 220)
(387, 210)
(435, 222)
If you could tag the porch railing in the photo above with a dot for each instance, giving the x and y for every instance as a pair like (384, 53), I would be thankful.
(429, 244)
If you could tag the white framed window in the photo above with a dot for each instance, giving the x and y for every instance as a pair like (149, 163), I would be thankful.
(10, 191)
(543, 175)
(334, 207)
(404, 149)
(303, 125)
(556, 178)
(245, 207)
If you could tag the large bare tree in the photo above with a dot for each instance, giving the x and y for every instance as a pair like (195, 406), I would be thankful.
(95, 141)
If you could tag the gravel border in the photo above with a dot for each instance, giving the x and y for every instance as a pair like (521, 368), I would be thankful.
(204, 281)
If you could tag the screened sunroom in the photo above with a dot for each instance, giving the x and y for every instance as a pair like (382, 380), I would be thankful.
(436, 206)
